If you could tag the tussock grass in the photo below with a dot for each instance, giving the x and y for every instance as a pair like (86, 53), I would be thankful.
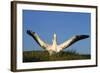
(37, 56)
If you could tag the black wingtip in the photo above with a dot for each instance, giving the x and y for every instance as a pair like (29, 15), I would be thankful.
(30, 32)
(85, 36)
(82, 37)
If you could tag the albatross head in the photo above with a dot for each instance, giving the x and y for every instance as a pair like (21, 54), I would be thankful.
(54, 35)
(54, 40)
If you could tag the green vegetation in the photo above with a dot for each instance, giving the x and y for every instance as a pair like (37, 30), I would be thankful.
(37, 56)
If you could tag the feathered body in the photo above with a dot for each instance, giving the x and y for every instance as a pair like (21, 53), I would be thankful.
(54, 47)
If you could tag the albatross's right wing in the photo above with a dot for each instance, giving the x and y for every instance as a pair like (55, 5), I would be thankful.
(72, 41)
(37, 39)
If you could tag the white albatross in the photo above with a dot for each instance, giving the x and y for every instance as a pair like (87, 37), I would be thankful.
(54, 47)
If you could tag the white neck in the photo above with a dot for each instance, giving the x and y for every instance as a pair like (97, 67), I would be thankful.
(54, 41)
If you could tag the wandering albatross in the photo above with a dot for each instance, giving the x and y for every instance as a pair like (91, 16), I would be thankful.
(54, 47)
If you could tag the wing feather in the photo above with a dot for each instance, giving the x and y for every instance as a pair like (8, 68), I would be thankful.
(72, 41)
(37, 39)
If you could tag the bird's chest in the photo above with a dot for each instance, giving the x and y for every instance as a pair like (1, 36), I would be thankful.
(53, 48)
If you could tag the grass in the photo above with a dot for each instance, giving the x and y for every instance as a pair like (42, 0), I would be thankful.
(37, 56)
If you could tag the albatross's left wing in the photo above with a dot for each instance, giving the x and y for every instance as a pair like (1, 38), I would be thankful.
(72, 41)
(37, 39)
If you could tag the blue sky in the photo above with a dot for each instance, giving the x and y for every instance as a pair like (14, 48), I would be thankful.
(64, 24)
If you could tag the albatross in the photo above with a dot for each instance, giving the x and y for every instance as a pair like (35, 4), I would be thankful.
(54, 47)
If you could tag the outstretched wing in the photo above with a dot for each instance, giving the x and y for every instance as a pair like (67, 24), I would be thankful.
(37, 39)
(72, 41)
